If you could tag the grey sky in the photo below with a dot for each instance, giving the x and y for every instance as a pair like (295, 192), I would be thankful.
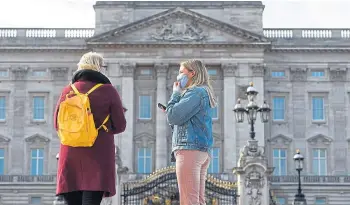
(80, 13)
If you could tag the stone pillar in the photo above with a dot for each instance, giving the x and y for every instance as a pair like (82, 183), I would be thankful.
(126, 145)
(161, 122)
(230, 141)
(258, 71)
(252, 175)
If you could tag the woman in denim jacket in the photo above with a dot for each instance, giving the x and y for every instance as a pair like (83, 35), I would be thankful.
(189, 111)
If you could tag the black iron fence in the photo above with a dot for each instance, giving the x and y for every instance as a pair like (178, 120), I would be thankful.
(161, 188)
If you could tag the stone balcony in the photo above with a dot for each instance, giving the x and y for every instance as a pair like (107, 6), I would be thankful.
(27, 179)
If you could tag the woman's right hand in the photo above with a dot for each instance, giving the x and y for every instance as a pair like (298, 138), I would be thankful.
(176, 87)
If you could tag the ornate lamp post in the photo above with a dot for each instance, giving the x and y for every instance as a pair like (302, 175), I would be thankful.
(251, 110)
(59, 200)
(299, 162)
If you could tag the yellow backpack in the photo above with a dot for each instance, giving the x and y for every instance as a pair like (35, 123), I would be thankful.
(76, 126)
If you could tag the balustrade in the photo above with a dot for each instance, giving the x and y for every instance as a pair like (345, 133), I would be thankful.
(27, 179)
(46, 33)
(274, 33)
(310, 179)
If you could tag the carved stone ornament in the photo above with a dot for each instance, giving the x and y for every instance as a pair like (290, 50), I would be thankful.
(254, 182)
(320, 139)
(4, 140)
(298, 73)
(128, 69)
(258, 69)
(161, 69)
(106, 201)
(37, 138)
(229, 69)
(338, 73)
(59, 73)
(242, 89)
(19, 73)
(179, 31)
(120, 169)
(250, 153)
(280, 139)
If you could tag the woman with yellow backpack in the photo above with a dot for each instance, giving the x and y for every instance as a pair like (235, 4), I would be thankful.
(88, 114)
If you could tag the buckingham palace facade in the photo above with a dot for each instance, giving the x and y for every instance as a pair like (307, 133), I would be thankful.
(301, 73)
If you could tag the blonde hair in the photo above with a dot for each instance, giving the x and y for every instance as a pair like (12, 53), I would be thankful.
(201, 77)
(91, 61)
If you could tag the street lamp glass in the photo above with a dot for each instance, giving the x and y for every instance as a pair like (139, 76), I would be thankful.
(264, 112)
(239, 112)
(299, 161)
(252, 115)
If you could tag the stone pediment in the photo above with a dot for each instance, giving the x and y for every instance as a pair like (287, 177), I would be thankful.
(4, 139)
(280, 139)
(37, 138)
(320, 139)
(178, 26)
(144, 136)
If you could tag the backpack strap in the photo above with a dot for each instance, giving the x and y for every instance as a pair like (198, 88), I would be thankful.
(74, 89)
(103, 124)
(93, 89)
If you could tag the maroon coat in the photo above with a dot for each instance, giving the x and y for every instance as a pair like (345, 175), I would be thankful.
(92, 168)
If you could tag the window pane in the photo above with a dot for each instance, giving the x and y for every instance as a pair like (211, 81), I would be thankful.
(282, 153)
(38, 108)
(315, 153)
(317, 108)
(317, 73)
(2, 161)
(315, 166)
(2, 108)
(214, 166)
(277, 74)
(276, 171)
(33, 167)
(320, 200)
(144, 161)
(35, 200)
(146, 72)
(214, 112)
(276, 152)
(212, 72)
(145, 107)
(283, 170)
(4, 73)
(281, 201)
(323, 168)
(278, 108)
(322, 152)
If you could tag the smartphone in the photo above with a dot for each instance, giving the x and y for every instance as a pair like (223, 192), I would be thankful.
(161, 106)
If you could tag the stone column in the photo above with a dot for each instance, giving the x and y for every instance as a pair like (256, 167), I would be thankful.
(258, 71)
(161, 122)
(19, 114)
(230, 140)
(252, 175)
(126, 145)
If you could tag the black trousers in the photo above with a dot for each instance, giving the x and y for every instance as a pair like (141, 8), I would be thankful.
(83, 197)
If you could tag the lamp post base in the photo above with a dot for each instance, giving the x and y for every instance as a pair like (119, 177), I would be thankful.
(299, 200)
(59, 200)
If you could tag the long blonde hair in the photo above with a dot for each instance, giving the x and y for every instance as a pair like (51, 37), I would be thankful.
(200, 78)
(91, 61)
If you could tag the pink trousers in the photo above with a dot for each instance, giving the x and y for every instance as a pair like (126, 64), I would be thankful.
(191, 172)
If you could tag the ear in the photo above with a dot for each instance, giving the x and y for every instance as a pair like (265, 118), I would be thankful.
(193, 73)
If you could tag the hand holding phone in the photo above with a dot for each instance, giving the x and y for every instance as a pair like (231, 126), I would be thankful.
(161, 106)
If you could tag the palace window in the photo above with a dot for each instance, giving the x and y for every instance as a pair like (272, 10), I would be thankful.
(278, 108)
(38, 108)
(146, 71)
(317, 74)
(4, 73)
(144, 160)
(320, 200)
(39, 73)
(317, 108)
(214, 112)
(37, 162)
(278, 74)
(281, 201)
(319, 161)
(35, 200)
(214, 166)
(280, 162)
(212, 72)
(2, 108)
(145, 107)
(2, 161)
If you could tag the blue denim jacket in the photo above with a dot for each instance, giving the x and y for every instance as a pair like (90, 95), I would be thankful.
(190, 114)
